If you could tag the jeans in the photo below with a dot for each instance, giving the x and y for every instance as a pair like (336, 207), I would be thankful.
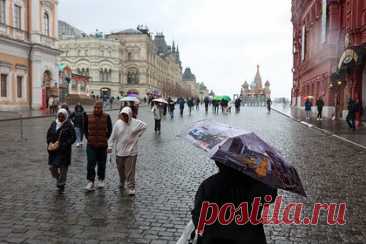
(157, 125)
(351, 121)
(97, 157)
(79, 135)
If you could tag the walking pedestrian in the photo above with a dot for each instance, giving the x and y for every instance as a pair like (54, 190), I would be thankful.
(308, 105)
(234, 187)
(198, 101)
(320, 105)
(181, 103)
(157, 111)
(190, 105)
(98, 128)
(171, 108)
(78, 119)
(60, 137)
(124, 138)
(237, 105)
(351, 114)
(206, 100)
(269, 104)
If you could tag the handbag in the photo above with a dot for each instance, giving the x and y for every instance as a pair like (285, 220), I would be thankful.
(55, 146)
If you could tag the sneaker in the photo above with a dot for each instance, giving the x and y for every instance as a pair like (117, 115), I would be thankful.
(131, 192)
(100, 184)
(90, 186)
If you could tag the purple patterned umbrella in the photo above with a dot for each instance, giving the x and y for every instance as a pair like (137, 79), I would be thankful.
(247, 153)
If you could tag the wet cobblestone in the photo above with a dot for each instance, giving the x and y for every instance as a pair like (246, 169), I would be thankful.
(169, 171)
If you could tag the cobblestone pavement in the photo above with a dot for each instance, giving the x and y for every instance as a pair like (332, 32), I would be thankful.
(169, 171)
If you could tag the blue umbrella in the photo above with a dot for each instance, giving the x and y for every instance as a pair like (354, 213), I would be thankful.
(247, 153)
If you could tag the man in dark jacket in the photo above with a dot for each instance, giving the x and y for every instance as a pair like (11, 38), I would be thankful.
(320, 105)
(98, 129)
(351, 114)
(231, 186)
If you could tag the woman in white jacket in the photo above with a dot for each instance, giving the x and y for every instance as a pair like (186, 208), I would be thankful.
(125, 135)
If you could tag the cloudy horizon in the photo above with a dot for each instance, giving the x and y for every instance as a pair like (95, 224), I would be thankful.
(222, 43)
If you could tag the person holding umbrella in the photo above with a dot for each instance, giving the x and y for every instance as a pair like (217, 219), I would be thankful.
(249, 169)
(157, 111)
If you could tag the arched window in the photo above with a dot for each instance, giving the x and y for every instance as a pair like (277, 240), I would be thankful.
(46, 24)
(132, 76)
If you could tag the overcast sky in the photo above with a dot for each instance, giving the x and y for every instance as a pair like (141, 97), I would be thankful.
(222, 41)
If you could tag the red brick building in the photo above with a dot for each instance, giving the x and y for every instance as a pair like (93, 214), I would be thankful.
(329, 48)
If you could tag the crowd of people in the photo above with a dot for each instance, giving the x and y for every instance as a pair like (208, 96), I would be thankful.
(101, 137)
(354, 107)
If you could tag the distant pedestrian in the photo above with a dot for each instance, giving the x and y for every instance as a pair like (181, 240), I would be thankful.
(98, 128)
(171, 108)
(198, 101)
(60, 137)
(308, 104)
(351, 114)
(157, 112)
(124, 138)
(207, 102)
(190, 105)
(269, 104)
(319, 105)
(237, 105)
(181, 103)
(78, 119)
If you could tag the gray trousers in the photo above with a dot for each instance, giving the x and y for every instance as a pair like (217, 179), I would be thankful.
(126, 169)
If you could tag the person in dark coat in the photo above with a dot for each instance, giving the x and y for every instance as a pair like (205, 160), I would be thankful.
(78, 119)
(181, 103)
(320, 105)
(190, 105)
(351, 116)
(237, 104)
(230, 186)
(207, 102)
(60, 132)
(269, 104)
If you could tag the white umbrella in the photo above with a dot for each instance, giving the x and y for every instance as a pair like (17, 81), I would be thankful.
(160, 100)
(130, 99)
